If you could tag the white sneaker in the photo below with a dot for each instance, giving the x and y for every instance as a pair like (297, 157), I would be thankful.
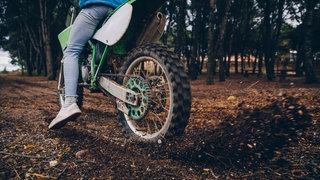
(65, 115)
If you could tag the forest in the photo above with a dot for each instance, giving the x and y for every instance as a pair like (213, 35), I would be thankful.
(219, 37)
(247, 106)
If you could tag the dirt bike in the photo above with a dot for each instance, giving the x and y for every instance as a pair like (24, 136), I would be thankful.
(147, 81)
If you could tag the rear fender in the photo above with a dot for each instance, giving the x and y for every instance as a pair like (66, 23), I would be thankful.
(116, 26)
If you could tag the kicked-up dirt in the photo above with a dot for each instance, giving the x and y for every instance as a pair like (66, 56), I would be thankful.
(243, 128)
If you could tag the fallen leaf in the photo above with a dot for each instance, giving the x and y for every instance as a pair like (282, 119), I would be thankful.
(206, 169)
(39, 176)
(81, 153)
(53, 163)
(231, 98)
(250, 146)
(29, 146)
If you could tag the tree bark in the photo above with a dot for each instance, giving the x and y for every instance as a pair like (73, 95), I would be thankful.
(260, 63)
(181, 26)
(45, 30)
(220, 42)
(308, 63)
(267, 39)
(195, 60)
(271, 33)
(210, 65)
(236, 62)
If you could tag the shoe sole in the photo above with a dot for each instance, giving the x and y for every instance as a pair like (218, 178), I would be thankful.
(65, 121)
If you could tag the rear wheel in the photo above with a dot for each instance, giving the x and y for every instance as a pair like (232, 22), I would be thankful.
(159, 78)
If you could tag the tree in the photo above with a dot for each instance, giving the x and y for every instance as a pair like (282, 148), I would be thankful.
(181, 27)
(29, 33)
(195, 30)
(308, 53)
(272, 22)
(211, 58)
(220, 42)
(46, 37)
(198, 31)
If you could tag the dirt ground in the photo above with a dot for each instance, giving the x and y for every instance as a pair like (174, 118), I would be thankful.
(243, 128)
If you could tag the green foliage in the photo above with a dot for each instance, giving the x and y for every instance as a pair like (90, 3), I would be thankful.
(253, 26)
(22, 31)
(287, 40)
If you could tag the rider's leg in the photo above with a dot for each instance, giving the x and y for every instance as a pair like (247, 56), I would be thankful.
(82, 30)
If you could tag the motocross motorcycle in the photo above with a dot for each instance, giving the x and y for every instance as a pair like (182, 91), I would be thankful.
(147, 82)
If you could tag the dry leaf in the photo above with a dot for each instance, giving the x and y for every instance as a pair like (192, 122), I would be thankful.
(231, 98)
(206, 169)
(81, 153)
(53, 163)
(29, 146)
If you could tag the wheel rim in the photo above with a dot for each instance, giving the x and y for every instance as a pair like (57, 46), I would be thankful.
(159, 97)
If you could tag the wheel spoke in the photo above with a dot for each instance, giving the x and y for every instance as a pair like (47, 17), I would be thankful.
(159, 120)
(161, 103)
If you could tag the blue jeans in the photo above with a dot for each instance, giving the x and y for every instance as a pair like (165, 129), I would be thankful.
(82, 30)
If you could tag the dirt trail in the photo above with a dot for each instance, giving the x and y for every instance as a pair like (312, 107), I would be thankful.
(241, 128)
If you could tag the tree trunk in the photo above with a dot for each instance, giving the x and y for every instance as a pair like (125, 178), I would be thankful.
(260, 63)
(228, 64)
(25, 52)
(220, 42)
(210, 65)
(271, 33)
(196, 44)
(267, 39)
(249, 60)
(20, 62)
(236, 62)
(242, 62)
(276, 34)
(45, 30)
(181, 26)
(254, 65)
(203, 56)
(308, 63)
